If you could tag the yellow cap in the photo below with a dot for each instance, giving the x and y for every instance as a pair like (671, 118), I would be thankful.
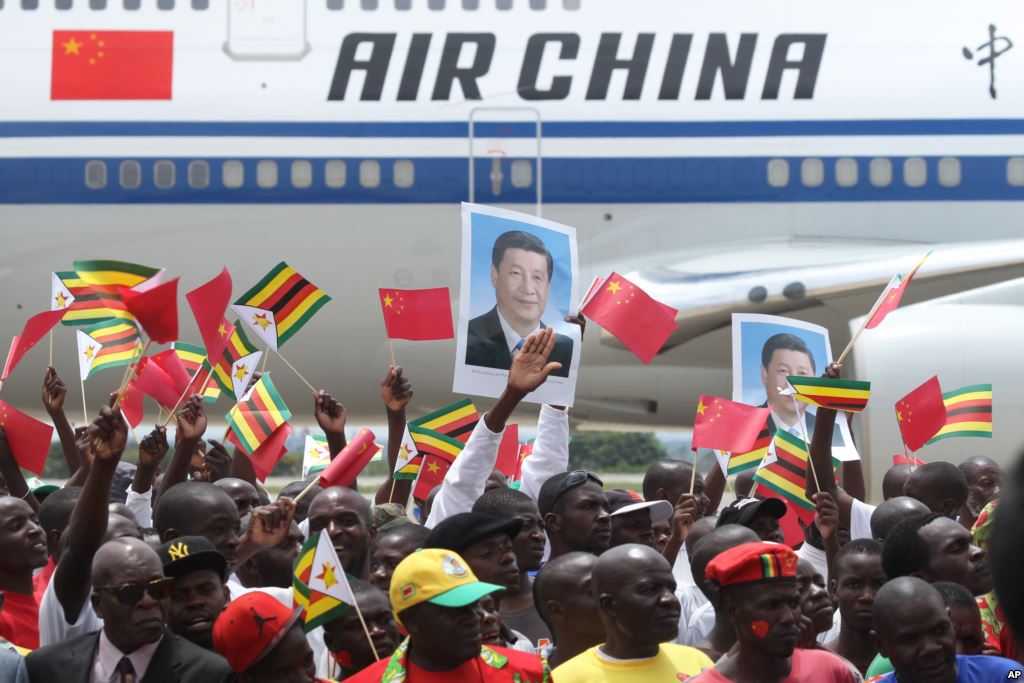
(437, 576)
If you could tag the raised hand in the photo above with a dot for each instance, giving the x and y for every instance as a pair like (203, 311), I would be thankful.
(270, 523)
(109, 434)
(683, 516)
(191, 419)
(578, 319)
(832, 371)
(217, 461)
(153, 448)
(54, 391)
(826, 514)
(530, 367)
(330, 414)
(396, 390)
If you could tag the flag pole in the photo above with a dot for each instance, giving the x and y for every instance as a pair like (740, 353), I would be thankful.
(265, 357)
(297, 373)
(85, 411)
(391, 495)
(182, 398)
(129, 372)
(51, 348)
(303, 492)
(910, 460)
(803, 435)
(693, 473)
(391, 350)
(362, 622)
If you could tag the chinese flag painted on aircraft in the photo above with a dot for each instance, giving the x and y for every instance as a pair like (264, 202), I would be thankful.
(112, 65)
(921, 414)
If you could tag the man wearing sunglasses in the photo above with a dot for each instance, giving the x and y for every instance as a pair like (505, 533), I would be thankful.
(575, 512)
(132, 596)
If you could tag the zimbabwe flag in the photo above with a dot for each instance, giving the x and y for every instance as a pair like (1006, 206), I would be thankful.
(437, 453)
(411, 469)
(429, 441)
(787, 476)
(968, 413)
(260, 412)
(837, 394)
(457, 420)
(193, 357)
(235, 367)
(280, 304)
(87, 306)
(738, 462)
(108, 344)
(433, 470)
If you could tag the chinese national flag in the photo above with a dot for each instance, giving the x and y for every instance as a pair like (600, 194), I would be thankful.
(726, 425)
(171, 364)
(35, 329)
(156, 310)
(908, 460)
(28, 438)
(270, 452)
(921, 414)
(417, 314)
(208, 302)
(347, 464)
(433, 470)
(153, 381)
(890, 299)
(112, 65)
(508, 452)
(132, 405)
(627, 312)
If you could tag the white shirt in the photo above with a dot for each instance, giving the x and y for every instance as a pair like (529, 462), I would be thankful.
(860, 520)
(681, 570)
(691, 601)
(512, 338)
(141, 505)
(700, 626)
(794, 429)
(817, 558)
(104, 667)
(53, 628)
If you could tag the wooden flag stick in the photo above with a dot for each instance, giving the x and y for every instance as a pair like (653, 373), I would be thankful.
(391, 495)
(51, 349)
(266, 356)
(910, 461)
(180, 399)
(303, 492)
(807, 446)
(85, 411)
(297, 373)
(391, 350)
(693, 474)
(128, 375)
(362, 622)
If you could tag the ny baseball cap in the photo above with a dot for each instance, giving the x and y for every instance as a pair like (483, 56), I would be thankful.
(437, 576)
(186, 554)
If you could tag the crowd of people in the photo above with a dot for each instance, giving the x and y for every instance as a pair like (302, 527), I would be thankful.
(181, 569)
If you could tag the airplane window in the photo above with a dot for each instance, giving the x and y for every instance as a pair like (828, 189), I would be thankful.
(915, 172)
(522, 173)
(778, 173)
(165, 4)
(232, 174)
(29, 4)
(335, 4)
(471, 4)
(132, 4)
(200, 4)
(198, 175)
(571, 4)
(369, 4)
(538, 4)
(334, 173)
(880, 172)
(949, 172)
(1015, 171)
(369, 173)
(404, 173)
(812, 172)
(98, 4)
(95, 175)
(266, 174)
(846, 172)
(504, 4)
(131, 175)
(403, 4)
(62, 4)
(302, 174)
(435, 4)
(163, 174)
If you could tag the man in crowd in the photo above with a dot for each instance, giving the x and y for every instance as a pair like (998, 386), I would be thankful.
(633, 519)
(435, 596)
(348, 650)
(345, 516)
(198, 591)
(635, 594)
(390, 548)
(984, 479)
(758, 585)
(575, 512)
(933, 547)
(891, 512)
(131, 595)
(565, 601)
(939, 485)
(760, 516)
(856, 577)
(708, 627)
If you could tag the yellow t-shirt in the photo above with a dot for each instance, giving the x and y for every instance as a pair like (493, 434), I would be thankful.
(672, 664)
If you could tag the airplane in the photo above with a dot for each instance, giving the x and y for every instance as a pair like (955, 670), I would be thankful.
(739, 156)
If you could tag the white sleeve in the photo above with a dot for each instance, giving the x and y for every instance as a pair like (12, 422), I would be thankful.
(141, 505)
(550, 450)
(467, 477)
(860, 520)
(54, 628)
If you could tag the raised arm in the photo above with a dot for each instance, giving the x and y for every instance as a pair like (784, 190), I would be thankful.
(54, 393)
(332, 417)
(821, 458)
(139, 500)
(106, 438)
(191, 425)
(396, 392)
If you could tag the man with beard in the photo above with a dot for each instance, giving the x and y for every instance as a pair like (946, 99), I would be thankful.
(912, 629)
(575, 513)
(635, 594)
(198, 593)
(758, 585)
(933, 547)
(856, 577)
(984, 479)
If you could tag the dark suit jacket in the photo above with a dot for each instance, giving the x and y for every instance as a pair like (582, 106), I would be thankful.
(175, 661)
(486, 345)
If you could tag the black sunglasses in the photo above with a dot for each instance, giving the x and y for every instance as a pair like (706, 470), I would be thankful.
(131, 593)
(575, 479)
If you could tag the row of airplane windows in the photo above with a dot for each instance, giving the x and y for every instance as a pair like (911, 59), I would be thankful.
(403, 173)
(331, 4)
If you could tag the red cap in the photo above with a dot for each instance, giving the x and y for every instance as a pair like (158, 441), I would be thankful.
(752, 563)
(250, 627)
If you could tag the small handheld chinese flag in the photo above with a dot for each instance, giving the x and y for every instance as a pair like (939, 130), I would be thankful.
(890, 299)
(725, 425)
(627, 312)
(508, 451)
(28, 438)
(908, 460)
(208, 303)
(347, 464)
(921, 414)
(417, 314)
(156, 310)
(35, 329)
(171, 364)
(153, 381)
(270, 452)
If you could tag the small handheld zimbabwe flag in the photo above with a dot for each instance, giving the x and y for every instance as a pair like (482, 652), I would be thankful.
(279, 305)
(258, 415)
(968, 413)
(235, 366)
(739, 462)
(787, 476)
(837, 394)
(108, 344)
(457, 420)
(319, 582)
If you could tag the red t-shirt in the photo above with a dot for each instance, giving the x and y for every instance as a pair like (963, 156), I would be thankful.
(19, 620)
(521, 667)
(41, 580)
(809, 666)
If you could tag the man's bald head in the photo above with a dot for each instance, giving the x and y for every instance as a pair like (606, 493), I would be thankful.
(710, 547)
(123, 555)
(701, 528)
(893, 481)
(894, 600)
(892, 511)
(939, 485)
(973, 464)
(664, 478)
(618, 566)
(635, 593)
(346, 496)
(560, 579)
(186, 505)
